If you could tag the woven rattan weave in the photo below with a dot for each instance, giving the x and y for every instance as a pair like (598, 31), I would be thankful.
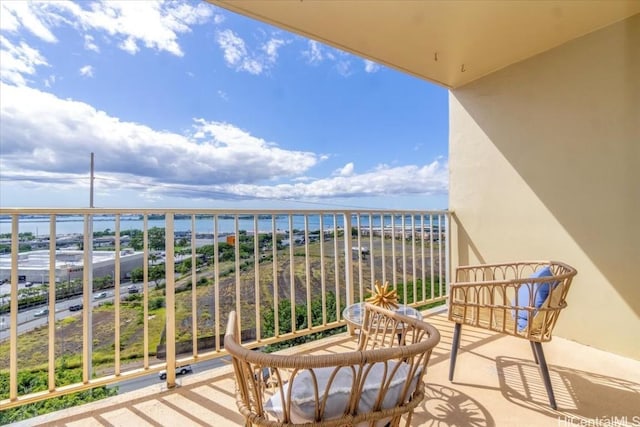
(396, 348)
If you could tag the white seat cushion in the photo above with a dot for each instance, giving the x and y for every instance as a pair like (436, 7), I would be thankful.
(303, 394)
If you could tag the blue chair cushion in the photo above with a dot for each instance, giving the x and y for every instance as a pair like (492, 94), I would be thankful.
(540, 295)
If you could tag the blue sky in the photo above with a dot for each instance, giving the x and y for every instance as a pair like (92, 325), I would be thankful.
(188, 105)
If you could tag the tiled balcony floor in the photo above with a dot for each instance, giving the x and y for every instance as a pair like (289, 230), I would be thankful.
(496, 384)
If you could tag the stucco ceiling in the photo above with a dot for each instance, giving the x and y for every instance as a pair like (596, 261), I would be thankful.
(447, 42)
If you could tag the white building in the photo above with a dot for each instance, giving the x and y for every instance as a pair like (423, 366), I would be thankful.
(69, 264)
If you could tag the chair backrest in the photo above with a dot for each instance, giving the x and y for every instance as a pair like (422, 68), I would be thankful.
(381, 380)
(523, 299)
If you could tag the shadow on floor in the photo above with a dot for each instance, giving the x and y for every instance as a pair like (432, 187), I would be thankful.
(446, 406)
(580, 395)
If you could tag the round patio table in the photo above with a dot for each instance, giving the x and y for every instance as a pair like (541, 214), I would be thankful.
(354, 314)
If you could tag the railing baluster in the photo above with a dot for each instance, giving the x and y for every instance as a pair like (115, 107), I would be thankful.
(256, 280)
(194, 290)
(292, 276)
(13, 322)
(216, 284)
(336, 269)
(307, 270)
(348, 270)
(372, 264)
(145, 305)
(276, 293)
(236, 256)
(323, 281)
(383, 238)
(422, 259)
(394, 267)
(145, 279)
(87, 292)
(52, 302)
(440, 286)
(361, 295)
(170, 327)
(117, 303)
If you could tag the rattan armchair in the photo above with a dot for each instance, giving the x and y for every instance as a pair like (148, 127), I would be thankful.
(380, 383)
(522, 299)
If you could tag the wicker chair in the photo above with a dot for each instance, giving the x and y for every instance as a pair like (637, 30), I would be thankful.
(522, 299)
(380, 383)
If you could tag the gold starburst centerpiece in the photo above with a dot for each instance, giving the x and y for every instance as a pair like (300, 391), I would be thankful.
(383, 296)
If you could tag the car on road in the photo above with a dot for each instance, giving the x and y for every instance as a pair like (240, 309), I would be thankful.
(133, 289)
(75, 307)
(180, 370)
(41, 313)
(100, 295)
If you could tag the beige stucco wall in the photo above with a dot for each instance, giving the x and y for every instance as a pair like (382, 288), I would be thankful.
(545, 164)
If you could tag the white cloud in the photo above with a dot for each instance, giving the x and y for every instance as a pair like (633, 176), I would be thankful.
(129, 45)
(346, 170)
(8, 20)
(86, 71)
(245, 151)
(49, 136)
(89, 43)
(317, 53)
(154, 24)
(18, 60)
(314, 53)
(49, 81)
(431, 179)
(370, 66)
(21, 14)
(343, 67)
(271, 48)
(233, 47)
(238, 56)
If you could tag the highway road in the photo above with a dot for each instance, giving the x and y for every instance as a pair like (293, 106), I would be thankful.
(151, 379)
(28, 320)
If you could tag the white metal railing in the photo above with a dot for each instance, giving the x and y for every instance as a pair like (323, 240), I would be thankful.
(287, 274)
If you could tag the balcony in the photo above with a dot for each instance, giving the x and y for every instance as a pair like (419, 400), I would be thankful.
(497, 384)
(212, 262)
